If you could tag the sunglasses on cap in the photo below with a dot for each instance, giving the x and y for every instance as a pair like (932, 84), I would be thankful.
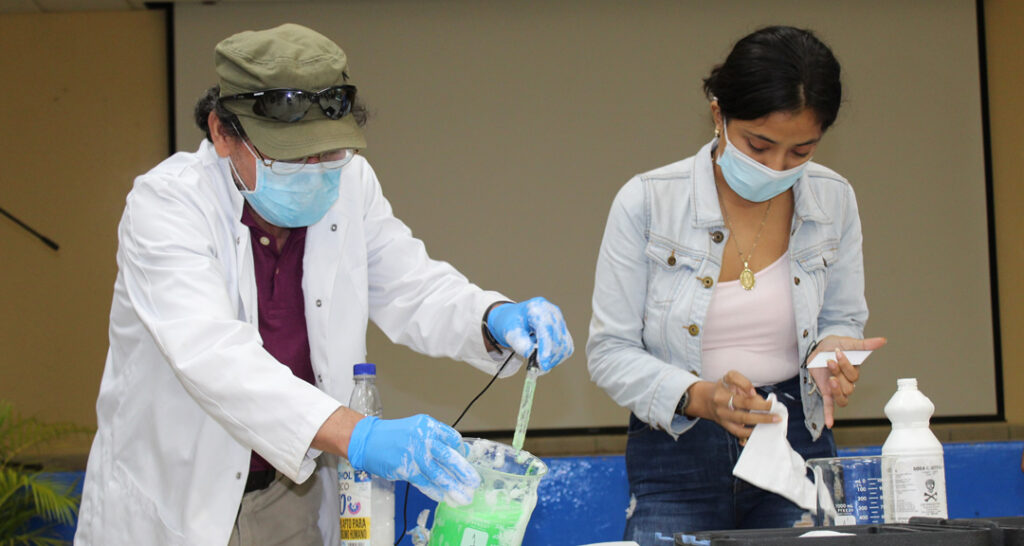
(291, 105)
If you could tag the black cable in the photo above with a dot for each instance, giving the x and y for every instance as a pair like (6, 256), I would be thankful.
(46, 240)
(489, 383)
(405, 503)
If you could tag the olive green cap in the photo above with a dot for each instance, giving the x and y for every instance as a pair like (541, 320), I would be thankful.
(288, 56)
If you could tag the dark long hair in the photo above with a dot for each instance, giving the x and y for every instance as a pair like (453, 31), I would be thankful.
(777, 69)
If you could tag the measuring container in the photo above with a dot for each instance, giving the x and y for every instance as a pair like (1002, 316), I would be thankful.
(502, 504)
(849, 490)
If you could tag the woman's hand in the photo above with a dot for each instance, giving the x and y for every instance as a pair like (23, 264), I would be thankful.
(837, 382)
(730, 403)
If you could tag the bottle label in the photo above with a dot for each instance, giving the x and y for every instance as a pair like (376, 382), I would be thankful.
(918, 487)
(354, 487)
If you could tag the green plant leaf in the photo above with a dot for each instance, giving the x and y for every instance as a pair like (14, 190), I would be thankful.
(32, 504)
(18, 434)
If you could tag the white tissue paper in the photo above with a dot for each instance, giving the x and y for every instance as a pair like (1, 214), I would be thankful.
(769, 462)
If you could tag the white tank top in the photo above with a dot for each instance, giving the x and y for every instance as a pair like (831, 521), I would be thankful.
(752, 331)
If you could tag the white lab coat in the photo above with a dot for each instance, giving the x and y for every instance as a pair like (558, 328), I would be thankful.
(188, 390)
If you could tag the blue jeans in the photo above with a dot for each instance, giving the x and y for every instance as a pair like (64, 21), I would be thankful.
(687, 485)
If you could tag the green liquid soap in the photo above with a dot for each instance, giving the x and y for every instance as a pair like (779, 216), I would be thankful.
(501, 506)
(525, 405)
(478, 527)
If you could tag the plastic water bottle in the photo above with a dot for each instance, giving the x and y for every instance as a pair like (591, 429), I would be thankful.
(367, 502)
(913, 467)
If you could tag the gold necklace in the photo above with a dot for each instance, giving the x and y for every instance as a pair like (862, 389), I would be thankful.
(746, 276)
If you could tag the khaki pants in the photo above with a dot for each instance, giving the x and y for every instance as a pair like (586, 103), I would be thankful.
(284, 513)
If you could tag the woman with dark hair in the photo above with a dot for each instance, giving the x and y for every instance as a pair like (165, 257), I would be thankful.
(719, 278)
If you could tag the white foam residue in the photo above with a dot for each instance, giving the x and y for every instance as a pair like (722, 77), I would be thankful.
(478, 451)
(499, 459)
(519, 340)
(459, 481)
(554, 341)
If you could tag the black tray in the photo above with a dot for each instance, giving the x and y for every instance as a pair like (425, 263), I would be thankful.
(894, 534)
(1008, 531)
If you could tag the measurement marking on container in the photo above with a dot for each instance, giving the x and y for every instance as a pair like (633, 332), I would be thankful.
(472, 537)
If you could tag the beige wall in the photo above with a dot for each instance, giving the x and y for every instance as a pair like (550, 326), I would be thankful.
(1004, 20)
(84, 110)
(94, 116)
(504, 130)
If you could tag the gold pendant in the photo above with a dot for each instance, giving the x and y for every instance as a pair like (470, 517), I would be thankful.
(747, 277)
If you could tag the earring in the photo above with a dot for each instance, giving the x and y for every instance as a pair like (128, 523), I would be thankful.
(716, 132)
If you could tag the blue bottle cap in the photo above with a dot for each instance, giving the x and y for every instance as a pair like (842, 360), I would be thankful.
(364, 369)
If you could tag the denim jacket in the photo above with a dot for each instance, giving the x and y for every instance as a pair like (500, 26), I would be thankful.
(660, 260)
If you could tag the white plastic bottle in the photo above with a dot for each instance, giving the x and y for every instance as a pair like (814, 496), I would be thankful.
(913, 466)
(367, 502)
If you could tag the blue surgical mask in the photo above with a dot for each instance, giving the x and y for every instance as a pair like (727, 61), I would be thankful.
(752, 180)
(293, 200)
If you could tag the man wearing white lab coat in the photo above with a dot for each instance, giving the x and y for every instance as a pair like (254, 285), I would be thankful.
(189, 392)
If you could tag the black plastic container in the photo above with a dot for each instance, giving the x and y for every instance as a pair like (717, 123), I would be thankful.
(1003, 531)
(1007, 531)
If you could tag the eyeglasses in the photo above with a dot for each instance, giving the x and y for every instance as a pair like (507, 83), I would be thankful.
(291, 105)
(329, 160)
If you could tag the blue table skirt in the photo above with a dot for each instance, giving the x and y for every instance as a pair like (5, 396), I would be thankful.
(583, 500)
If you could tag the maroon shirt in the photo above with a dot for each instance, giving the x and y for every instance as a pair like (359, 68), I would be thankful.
(282, 317)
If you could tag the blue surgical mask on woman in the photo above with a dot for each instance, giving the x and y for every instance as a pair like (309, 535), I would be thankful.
(752, 180)
(292, 200)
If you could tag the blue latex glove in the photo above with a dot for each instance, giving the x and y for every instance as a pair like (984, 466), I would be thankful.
(419, 450)
(533, 324)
